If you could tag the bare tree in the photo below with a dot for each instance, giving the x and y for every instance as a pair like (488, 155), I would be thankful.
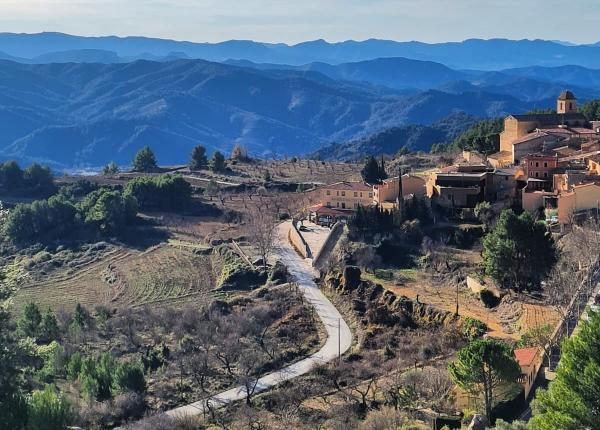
(261, 232)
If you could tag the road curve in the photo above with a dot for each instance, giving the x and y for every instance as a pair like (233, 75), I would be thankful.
(339, 336)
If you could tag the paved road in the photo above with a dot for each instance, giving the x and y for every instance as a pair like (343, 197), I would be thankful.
(329, 315)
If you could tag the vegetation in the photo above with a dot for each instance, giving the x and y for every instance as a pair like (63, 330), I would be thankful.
(482, 366)
(49, 410)
(110, 169)
(164, 192)
(239, 153)
(373, 172)
(519, 251)
(571, 401)
(591, 110)
(483, 137)
(217, 164)
(198, 160)
(103, 211)
(144, 160)
(34, 181)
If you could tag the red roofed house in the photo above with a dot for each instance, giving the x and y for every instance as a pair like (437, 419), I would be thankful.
(530, 360)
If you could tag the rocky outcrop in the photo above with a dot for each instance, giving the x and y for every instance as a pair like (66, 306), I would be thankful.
(374, 305)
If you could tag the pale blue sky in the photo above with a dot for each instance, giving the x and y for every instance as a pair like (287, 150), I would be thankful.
(294, 21)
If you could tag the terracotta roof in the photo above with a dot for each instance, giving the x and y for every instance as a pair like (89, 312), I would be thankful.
(525, 356)
(567, 95)
(531, 136)
(501, 155)
(324, 210)
(550, 118)
(357, 186)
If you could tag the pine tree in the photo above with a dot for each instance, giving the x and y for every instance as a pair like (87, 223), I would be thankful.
(572, 401)
(30, 320)
(198, 160)
(483, 365)
(217, 163)
(144, 160)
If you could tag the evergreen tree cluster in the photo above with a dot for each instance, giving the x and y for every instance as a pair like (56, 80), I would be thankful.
(102, 211)
(483, 137)
(373, 172)
(35, 180)
(519, 251)
(164, 192)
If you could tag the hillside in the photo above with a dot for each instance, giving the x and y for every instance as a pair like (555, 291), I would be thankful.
(85, 115)
(416, 137)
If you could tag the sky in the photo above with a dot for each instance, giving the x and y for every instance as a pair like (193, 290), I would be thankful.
(300, 20)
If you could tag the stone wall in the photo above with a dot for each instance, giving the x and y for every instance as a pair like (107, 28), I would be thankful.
(298, 242)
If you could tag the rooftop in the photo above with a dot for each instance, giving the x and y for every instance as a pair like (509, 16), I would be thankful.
(526, 356)
(355, 186)
(567, 95)
(550, 118)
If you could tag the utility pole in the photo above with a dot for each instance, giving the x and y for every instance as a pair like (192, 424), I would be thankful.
(339, 340)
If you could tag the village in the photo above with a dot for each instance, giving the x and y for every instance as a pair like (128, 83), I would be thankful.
(548, 165)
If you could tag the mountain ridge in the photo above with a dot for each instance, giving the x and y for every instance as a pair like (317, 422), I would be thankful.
(484, 54)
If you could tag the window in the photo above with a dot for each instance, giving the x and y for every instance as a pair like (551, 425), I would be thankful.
(355, 194)
(531, 163)
(361, 193)
(537, 174)
(506, 178)
(337, 204)
(337, 193)
(343, 193)
(355, 205)
(328, 192)
(545, 174)
(343, 205)
(370, 194)
(545, 164)
(537, 164)
(328, 204)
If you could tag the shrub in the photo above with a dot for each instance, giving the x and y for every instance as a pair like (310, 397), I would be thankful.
(48, 410)
(472, 328)
(129, 377)
(387, 275)
(488, 298)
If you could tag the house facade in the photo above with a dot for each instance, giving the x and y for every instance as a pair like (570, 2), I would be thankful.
(346, 195)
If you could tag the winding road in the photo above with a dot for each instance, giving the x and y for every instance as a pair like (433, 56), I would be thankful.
(339, 336)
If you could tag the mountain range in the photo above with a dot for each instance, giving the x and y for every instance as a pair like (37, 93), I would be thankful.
(492, 54)
(83, 114)
(79, 102)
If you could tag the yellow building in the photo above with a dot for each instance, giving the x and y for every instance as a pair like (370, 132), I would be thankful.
(581, 198)
(386, 193)
(594, 165)
(346, 195)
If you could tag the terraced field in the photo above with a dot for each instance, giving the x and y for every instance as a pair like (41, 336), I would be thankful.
(126, 278)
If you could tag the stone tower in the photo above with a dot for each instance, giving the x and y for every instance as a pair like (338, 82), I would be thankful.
(566, 103)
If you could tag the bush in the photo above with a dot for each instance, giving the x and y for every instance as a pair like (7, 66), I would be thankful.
(387, 275)
(48, 410)
(488, 298)
(473, 329)
(129, 377)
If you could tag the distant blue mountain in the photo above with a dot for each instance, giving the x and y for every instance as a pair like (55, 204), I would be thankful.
(87, 114)
(493, 54)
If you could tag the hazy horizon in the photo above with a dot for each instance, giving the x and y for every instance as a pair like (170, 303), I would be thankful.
(270, 21)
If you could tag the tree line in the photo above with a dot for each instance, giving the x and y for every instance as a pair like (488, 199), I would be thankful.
(145, 160)
(34, 181)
